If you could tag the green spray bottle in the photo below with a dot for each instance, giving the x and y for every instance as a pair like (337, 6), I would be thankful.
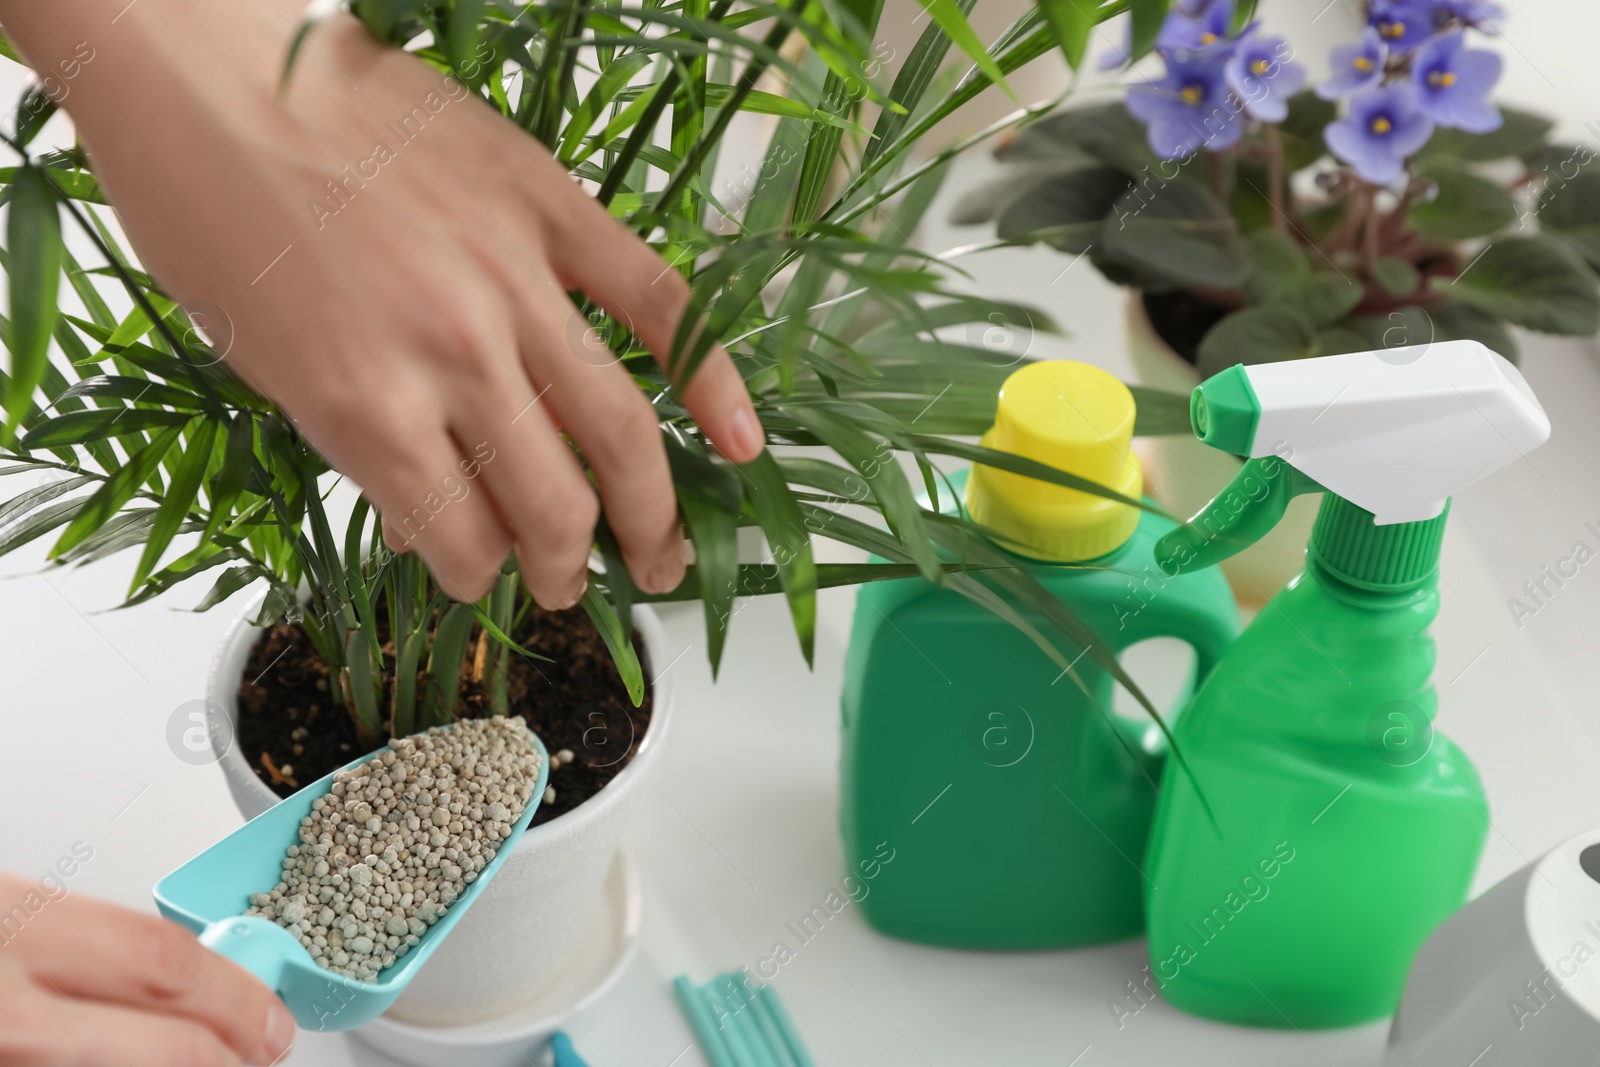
(1341, 828)
(987, 801)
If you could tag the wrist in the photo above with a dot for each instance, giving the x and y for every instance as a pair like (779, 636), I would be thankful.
(45, 32)
(100, 60)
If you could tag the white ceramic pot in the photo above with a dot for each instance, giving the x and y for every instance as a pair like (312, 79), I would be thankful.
(1184, 475)
(523, 928)
(519, 1037)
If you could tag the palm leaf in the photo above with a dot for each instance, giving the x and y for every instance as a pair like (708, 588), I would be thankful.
(617, 642)
(182, 493)
(778, 513)
(33, 243)
(116, 491)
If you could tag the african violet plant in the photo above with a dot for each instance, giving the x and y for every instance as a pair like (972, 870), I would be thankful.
(1262, 220)
(148, 441)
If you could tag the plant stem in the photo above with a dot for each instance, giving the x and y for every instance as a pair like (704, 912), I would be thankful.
(1355, 203)
(690, 166)
(1277, 187)
(644, 129)
(501, 602)
(1395, 221)
(1020, 50)
(688, 121)
(1214, 175)
(1369, 229)
(901, 181)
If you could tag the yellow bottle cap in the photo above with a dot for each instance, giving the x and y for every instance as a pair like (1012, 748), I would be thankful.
(1076, 418)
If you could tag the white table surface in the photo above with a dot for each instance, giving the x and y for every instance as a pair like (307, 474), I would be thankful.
(740, 835)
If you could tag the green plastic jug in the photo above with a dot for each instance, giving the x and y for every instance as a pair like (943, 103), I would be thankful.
(1342, 829)
(986, 801)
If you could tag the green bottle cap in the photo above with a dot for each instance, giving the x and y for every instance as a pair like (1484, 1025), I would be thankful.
(1224, 411)
(1347, 544)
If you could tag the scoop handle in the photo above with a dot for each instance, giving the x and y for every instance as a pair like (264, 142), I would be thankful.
(259, 945)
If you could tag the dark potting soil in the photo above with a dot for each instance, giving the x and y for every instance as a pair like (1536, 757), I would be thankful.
(1182, 319)
(293, 731)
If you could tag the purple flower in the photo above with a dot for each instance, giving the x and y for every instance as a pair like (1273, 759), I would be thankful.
(1480, 14)
(1454, 82)
(1385, 125)
(1263, 73)
(1197, 27)
(1190, 108)
(1403, 24)
(1356, 66)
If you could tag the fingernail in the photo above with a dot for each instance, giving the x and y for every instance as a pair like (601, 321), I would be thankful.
(664, 576)
(745, 435)
(572, 598)
(279, 1036)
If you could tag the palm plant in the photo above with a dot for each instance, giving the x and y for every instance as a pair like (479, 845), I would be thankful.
(837, 322)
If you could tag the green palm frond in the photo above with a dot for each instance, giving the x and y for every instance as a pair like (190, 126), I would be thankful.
(849, 339)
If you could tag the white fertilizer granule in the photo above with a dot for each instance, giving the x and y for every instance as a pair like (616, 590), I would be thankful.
(396, 840)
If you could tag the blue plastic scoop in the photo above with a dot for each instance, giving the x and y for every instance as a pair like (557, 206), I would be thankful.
(210, 893)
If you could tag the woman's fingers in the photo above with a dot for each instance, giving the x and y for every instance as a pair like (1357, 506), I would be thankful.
(415, 474)
(369, 294)
(79, 948)
(437, 512)
(598, 255)
(91, 1034)
(538, 488)
(597, 402)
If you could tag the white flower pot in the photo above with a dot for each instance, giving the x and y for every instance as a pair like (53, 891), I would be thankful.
(523, 928)
(1184, 475)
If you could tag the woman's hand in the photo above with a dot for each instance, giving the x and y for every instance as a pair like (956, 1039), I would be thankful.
(87, 984)
(391, 259)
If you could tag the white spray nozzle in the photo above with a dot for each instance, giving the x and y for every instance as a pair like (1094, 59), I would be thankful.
(1396, 432)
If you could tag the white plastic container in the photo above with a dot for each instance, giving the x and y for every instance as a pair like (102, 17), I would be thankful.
(1511, 979)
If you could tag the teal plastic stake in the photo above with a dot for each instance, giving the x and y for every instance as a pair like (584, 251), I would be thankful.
(762, 1031)
(770, 1033)
(780, 1018)
(701, 1021)
(732, 1027)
